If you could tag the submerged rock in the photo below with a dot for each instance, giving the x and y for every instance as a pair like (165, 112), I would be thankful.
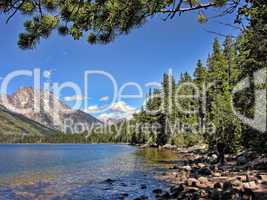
(157, 191)
(143, 186)
(122, 196)
(109, 181)
(143, 197)
(176, 190)
(165, 195)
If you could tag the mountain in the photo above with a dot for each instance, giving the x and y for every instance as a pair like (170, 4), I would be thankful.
(45, 108)
(12, 123)
(111, 121)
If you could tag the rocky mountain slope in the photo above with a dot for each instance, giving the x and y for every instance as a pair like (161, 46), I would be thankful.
(16, 124)
(44, 108)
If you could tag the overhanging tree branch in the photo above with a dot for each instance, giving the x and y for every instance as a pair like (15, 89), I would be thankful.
(16, 10)
(197, 7)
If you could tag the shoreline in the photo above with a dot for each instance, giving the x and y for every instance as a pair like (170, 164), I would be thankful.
(65, 144)
(195, 174)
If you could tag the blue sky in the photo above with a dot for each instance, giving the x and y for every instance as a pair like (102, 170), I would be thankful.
(141, 57)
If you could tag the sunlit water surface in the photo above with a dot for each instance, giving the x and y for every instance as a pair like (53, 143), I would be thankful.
(78, 172)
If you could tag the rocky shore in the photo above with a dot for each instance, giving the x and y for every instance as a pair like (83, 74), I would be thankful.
(196, 175)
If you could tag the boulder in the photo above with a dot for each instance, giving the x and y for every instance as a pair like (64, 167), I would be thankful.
(203, 194)
(237, 183)
(192, 182)
(186, 168)
(193, 193)
(174, 167)
(242, 160)
(213, 167)
(214, 194)
(259, 163)
(170, 147)
(248, 194)
(175, 174)
(241, 178)
(153, 145)
(203, 180)
(228, 191)
(201, 165)
(213, 158)
(227, 186)
(250, 185)
(217, 174)
(217, 186)
(247, 156)
(204, 171)
(227, 195)
(251, 155)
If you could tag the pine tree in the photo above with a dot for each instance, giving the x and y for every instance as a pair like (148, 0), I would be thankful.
(200, 74)
(200, 79)
(222, 71)
(166, 94)
(217, 65)
(230, 53)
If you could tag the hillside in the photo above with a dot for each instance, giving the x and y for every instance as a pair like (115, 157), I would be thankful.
(14, 124)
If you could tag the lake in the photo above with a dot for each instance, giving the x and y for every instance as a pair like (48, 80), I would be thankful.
(79, 172)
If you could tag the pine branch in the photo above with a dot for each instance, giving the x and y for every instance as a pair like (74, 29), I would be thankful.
(16, 10)
(179, 9)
